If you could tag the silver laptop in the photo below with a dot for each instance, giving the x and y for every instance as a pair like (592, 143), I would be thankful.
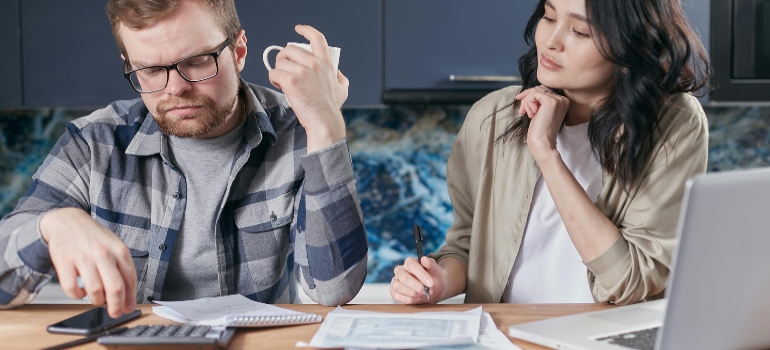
(718, 293)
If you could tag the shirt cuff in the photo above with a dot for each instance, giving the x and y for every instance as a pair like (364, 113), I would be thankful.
(328, 168)
(611, 266)
(31, 248)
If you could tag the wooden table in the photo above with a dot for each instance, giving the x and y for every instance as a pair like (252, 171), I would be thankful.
(24, 328)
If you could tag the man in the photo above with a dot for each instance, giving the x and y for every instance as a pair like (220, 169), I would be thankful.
(205, 186)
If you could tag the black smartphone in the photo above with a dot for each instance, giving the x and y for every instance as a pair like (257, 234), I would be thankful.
(90, 322)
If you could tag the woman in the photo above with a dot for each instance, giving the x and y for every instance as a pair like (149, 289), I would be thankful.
(568, 189)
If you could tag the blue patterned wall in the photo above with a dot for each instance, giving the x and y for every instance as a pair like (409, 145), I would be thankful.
(399, 157)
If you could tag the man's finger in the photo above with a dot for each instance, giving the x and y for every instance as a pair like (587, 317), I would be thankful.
(296, 56)
(128, 273)
(68, 281)
(342, 79)
(317, 42)
(114, 288)
(93, 283)
(278, 78)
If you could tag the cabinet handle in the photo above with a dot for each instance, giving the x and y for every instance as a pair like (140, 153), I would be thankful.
(485, 78)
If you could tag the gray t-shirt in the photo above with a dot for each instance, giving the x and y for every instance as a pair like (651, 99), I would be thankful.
(206, 165)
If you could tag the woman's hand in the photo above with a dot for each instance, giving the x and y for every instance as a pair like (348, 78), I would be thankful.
(407, 284)
(547, 111)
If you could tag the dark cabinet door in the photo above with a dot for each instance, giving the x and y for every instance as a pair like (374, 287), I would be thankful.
(352, 25)
(10, 63)
(428, 41)
(71, 59)
(69, 55)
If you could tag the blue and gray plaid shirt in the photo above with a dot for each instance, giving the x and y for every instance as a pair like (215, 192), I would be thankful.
(286, 216)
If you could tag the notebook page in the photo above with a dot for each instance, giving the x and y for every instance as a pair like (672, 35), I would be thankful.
(206, 309)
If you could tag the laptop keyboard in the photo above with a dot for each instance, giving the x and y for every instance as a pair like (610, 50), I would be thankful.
(642, 339)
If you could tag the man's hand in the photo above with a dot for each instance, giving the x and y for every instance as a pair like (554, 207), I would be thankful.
(316, 91)
(79, 246)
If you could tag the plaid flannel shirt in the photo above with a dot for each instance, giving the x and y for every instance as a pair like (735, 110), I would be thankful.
(285, 211)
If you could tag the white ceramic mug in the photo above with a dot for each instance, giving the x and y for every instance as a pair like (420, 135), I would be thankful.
(334, 53)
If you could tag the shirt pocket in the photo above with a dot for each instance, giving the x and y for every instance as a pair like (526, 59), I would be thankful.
(264, 238)
(140, 264)
(267, 215)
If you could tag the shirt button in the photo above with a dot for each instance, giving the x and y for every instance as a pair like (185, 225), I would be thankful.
(162, 247)
(177, 195)
(273, 217)
(150, 298)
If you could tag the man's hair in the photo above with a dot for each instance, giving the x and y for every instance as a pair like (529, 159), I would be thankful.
(138, 14)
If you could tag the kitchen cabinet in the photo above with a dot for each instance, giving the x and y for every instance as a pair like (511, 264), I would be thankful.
(352, 25)
(69, 55)
(428, 41)
(62, 53)
(10, 41)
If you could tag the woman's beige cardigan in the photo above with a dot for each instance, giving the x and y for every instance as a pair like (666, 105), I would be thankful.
(491, 184)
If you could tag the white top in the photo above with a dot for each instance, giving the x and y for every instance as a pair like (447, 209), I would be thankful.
(548, 268)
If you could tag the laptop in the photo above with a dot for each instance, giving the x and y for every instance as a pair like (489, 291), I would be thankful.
(718, 294)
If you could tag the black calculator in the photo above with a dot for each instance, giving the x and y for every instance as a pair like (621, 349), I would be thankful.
(166, 337)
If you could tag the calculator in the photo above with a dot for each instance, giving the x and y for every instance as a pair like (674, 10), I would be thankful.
(166, 337)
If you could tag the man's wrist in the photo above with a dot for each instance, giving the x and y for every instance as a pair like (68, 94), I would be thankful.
(322, 137)
(52, 220)
(46, 222)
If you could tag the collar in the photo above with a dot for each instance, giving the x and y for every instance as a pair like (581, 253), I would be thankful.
(149, 140)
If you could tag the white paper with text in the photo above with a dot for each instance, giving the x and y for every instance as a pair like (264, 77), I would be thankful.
(381, 330)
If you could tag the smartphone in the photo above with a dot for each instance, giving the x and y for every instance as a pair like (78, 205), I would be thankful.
(90, 322)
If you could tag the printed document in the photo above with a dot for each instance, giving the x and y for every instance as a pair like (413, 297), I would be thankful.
(379, 330)
(490, 337)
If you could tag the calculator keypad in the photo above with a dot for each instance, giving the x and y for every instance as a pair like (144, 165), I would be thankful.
(167, 331)
(170, 335)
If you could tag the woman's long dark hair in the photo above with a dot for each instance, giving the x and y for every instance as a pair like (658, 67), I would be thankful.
(656, 54)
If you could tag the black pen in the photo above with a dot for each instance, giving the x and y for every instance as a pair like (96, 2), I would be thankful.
(87, 339)
(417, 230)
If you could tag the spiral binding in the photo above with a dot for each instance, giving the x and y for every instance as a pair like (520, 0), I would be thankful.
(236, 321)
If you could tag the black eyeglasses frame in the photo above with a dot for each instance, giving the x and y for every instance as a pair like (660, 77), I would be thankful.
(175, 65)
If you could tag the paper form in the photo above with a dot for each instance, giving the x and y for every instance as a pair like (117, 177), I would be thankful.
(380, 330)
(490, 337)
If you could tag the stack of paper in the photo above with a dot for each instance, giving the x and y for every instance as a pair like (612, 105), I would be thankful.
(232, 310)
(471, 329)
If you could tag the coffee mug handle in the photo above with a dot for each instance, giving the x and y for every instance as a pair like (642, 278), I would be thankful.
(267, 51)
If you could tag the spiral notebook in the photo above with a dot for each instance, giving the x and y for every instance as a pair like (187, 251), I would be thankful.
(231, 311)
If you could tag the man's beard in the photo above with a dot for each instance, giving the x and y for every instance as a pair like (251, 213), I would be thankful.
(209, 119)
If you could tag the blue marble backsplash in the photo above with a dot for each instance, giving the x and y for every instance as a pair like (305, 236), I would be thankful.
(399, 157)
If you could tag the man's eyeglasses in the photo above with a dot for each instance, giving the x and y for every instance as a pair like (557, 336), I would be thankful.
(193, 69)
